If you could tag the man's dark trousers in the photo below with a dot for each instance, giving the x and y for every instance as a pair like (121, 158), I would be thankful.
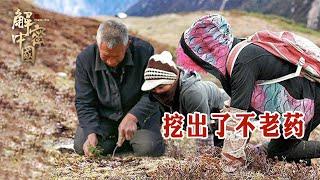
(147, 140)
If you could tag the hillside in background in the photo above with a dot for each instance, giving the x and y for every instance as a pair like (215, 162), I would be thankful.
(168, 28)
(154, 7)
(303, 11)
(38, 117)
(306, 12)
(37, 104)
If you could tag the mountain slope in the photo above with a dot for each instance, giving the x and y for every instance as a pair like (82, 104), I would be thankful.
(155, 7)
(37, 114)
(167, 28)
(306, 11)
(37, 104)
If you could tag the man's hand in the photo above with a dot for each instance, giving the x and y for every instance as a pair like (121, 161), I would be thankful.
(92, 140)
(128, 126)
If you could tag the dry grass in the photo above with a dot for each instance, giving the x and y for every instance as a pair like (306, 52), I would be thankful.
(179, 163)
(37, 110)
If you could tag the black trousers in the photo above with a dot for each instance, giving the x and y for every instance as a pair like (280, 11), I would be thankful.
(299, 149)
(147, 140)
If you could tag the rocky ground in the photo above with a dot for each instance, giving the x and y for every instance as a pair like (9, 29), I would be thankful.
(38, 118)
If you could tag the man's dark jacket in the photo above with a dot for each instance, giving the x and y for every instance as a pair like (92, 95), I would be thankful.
(100, 98)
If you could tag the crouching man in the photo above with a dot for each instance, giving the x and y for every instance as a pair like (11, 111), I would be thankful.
(109, 102)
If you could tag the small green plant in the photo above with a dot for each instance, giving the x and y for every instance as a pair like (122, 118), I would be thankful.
(96, 151)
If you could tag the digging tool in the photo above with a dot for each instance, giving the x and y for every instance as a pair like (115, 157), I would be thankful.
(121, 139)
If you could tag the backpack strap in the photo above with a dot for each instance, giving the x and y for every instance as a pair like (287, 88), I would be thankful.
(233, 55)
(286, 77)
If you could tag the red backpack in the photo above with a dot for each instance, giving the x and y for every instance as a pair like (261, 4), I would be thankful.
(285, 45)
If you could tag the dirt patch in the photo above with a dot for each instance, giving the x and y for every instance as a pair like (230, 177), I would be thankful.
(38, 117)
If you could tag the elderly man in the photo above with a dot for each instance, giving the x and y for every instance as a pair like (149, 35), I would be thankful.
(109, 102)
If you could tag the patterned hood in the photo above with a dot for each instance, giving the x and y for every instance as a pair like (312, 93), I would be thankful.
(204, 47)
